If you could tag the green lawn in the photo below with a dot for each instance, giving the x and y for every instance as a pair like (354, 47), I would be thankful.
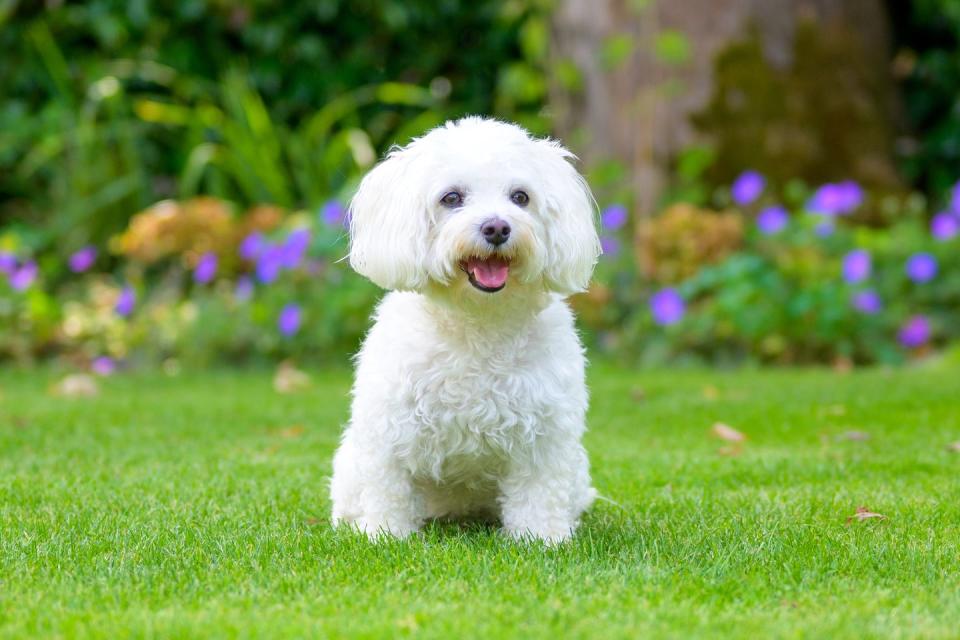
(196, 506)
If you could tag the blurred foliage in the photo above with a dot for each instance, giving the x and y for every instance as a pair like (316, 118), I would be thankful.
(927, 34)
(192, 228)
(777, 297)
(112, 105)
(684, 239)
(233, 318)
(166, 134)
(825, 115)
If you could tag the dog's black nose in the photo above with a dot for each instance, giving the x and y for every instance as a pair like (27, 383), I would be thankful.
(496, 231)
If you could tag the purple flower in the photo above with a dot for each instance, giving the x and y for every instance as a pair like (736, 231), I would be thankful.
(244, 289)
(315, 267)
(955, 199)
(921, 267)
(289, 320)
(944, 226)
(747, 187)
(915, 333)
(82, 259)
(8, 262)
(294, 248)
(667, 307)
(856, 266)
(103, 366)
(867, 301)
(772, 220)
(206, 268)
(614, 217)
(24, 277)
(333, 213)
(610, 246)
(269, 264)
(824, 229)
(125, 302)
(834, 199)
(252, 246)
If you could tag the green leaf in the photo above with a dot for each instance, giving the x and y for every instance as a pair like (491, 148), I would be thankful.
(672, 47)
(534, 39)
(522, 83)
(567, 73)
(616, 49)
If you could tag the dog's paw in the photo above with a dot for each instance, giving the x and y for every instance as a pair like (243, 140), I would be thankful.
(379, 529)
(551, 537)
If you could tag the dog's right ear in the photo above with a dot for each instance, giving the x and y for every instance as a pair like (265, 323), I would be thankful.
(389, 225)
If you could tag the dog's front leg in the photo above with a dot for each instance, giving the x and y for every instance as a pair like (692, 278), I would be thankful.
(543, 495)
(371, 491)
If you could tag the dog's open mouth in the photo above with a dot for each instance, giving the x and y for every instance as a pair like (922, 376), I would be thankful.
(487, 274)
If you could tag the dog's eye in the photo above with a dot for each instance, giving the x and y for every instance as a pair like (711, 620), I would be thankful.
(452, 199)
(520, 198)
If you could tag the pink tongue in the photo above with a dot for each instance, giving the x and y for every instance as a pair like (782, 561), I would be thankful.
(491, 273)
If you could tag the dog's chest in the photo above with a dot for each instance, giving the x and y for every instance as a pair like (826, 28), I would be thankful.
(472, 414)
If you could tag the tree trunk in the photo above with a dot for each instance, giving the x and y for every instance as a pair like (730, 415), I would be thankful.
(638, 111)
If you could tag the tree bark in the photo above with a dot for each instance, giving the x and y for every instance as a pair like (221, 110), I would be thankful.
(639, 112)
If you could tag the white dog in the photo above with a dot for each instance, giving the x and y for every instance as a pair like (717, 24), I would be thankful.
(469, 395)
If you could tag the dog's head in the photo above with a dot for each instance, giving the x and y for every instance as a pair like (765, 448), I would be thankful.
(477, 206)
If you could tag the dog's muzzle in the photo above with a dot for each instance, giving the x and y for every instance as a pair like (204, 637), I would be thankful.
(487, 274)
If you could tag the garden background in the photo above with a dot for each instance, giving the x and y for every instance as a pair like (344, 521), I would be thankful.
(777, 181)
(773, 329)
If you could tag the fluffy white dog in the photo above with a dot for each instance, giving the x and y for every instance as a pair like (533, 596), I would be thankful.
(469, 395)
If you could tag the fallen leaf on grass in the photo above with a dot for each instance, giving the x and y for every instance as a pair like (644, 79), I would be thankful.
(954, 446)
(854, 436)
(408, 623)
(76, 385)
(728, 433)
(843, 365)
(731, 450)
(865, 514)
(294, 431)
(289, 379)
(834, 410)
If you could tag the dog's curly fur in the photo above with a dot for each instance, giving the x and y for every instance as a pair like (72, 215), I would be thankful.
(469, 401)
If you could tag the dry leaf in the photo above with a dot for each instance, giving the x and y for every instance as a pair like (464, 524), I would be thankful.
(843, 365)
(954, 446)
(294, 431)
(409, 622)
(76, 385)
(728, 433)
(835, 410)
(289, 379)
(865, 514)
(854, 436)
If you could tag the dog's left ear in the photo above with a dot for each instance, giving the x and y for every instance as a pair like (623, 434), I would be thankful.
(573, 244)
(389, 225)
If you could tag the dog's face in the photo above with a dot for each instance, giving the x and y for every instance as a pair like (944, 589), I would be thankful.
(476, 206)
